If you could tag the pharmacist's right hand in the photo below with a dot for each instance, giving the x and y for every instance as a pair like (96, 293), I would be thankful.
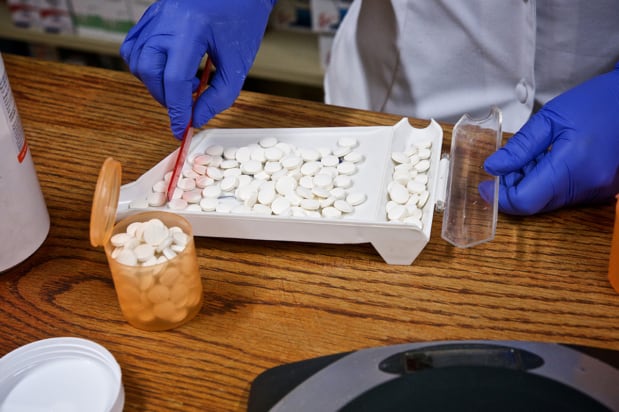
(165, 48)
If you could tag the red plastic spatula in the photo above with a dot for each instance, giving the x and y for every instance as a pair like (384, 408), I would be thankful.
(188, 133)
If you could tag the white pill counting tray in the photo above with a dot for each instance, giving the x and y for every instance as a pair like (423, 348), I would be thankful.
(397, 242)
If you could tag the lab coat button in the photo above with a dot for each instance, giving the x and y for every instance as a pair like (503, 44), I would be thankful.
(522, 92)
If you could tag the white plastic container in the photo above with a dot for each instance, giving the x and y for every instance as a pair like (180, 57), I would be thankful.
(24, 221)
(61, 374)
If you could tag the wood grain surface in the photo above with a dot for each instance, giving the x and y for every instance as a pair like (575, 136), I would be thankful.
(543, 278)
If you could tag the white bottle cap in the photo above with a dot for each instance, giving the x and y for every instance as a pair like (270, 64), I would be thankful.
(61, 374)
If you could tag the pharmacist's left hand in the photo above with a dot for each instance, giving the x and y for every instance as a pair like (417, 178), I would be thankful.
(566, 154)
(165, 48)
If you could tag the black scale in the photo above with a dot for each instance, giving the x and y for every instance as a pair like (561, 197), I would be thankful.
(445, 376)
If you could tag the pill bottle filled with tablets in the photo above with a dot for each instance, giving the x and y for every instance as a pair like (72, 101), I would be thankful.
(151, 256)
(24, 220)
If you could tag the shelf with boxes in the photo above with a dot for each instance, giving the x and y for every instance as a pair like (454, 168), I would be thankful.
(288, 54)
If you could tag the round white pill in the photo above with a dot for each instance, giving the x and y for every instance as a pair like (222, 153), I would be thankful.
(257, 153)
(398, 193)
(304, 192)
(347, 168)
(269, 141)
(192, 196)
(262, 175)
(155, 231)
(216, 161)
(161, 186)
(213, 191)
(209, 204)
(321, 192)
(127, 257)
(323, 180)
(120, 239)
(177, 193)
(235, 171)
(399, 157)
(347, 141)
(423, 198)
(229, 164)
(204, 160)
(326, 202)
(306, 182)
(342, 181)
(229, 183)
(398, 212)
(144, 252)
(414, 212)
(354, 157)
(214, 150)
(310, 168)
(169, 253)
(341, 151)
(338, 193)
(330, 160)
(414, 186)
(309, 155)
(331, 212)
(401, 177)
(266, 194)
(343, 206)
(251, 167)
(200, 170)
(414, 159)
(422, 166)
(271, 167)
(421, 178)
(135, 230)
(156, 199)
(177, 204)
(203, 181)
(356, 198)
(273, 154)
(243, 154)
(229, 153)
(285, 185)
(287, 148)
(214, 172)
(280, 206)
(292, 162)
(424, 153)
(310, 204)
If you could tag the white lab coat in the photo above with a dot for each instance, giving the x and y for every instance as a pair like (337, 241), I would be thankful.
(443, 58)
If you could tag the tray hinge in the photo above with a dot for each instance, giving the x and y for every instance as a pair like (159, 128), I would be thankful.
(441, 183)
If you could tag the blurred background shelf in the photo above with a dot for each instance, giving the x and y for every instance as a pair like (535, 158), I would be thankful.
(287, 63)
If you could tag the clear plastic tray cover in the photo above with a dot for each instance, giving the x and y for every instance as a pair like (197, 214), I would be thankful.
(468, 219)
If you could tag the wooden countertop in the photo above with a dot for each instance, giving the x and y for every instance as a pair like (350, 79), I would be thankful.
(543, 278)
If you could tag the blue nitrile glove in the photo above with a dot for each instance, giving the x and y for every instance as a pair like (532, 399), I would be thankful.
(566, 154)
(165, 47)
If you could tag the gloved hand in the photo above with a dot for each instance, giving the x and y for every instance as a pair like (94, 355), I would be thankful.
(566, 154)
(165, 47)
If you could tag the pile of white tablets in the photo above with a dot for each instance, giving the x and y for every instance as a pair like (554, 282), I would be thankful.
(148, 243)
(269, 177)
(408, 189)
